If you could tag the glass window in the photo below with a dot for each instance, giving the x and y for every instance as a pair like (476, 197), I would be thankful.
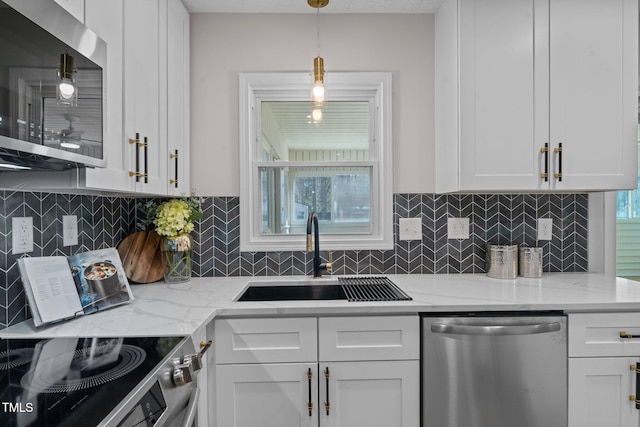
(334, 160)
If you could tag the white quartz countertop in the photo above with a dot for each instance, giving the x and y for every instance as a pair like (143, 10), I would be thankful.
(161, 309)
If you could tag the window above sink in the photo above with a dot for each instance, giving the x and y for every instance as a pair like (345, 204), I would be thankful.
(294, 161)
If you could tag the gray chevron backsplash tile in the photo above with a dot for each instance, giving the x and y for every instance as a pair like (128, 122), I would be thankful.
(105, 221)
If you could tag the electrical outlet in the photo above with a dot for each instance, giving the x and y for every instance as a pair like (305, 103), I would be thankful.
(545, 228)
(410, 229)
(22, 235)
(458, 228)
(69, 230)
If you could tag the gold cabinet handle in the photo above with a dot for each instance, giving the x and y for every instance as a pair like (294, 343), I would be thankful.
(310, 401)
(558, 151)
(628, 336)
(136, 141)
(636, 370)
(545, 151)
(174, 156)
(327, 403)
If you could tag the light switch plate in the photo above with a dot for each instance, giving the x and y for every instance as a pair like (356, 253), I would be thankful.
(457, 228)
(410, 229)
(22, 235)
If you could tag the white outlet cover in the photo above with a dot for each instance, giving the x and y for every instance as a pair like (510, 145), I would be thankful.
(545, 228)
(457, 228)
(410, 229)
(69, 230)
(22, 235)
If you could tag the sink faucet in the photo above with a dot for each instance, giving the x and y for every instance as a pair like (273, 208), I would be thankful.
(318, 265)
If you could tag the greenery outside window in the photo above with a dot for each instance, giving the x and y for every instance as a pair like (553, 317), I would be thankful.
(294, 161)
(628, 230)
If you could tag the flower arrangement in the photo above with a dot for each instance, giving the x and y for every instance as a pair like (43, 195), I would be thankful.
(172, 217)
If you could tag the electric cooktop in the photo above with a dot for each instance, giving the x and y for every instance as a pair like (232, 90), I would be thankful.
(72, 381)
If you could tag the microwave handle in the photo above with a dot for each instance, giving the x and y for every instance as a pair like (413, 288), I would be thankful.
(192, 409)
(528, 329)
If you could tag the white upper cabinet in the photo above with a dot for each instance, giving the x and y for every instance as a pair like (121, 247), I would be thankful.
(536, 95)
(106, 19)
(178, 114)
(147, 101)
(144, 68)
(148, 96)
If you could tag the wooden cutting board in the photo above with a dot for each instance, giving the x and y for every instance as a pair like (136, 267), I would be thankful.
(141, 258)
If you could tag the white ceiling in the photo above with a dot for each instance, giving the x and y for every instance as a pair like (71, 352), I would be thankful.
(301, 6)
(344, 125)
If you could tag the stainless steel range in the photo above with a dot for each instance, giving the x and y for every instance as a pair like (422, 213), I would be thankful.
(99, 382)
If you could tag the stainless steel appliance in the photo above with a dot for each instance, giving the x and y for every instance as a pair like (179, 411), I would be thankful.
(494, 370)
(88, 382)
(39, 129)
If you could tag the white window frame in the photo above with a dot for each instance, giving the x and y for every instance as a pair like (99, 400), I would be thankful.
(257, 87)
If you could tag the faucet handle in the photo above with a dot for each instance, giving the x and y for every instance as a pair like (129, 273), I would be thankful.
(329, 263)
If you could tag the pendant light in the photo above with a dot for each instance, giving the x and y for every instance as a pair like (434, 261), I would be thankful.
(67, 89)
(318, 93)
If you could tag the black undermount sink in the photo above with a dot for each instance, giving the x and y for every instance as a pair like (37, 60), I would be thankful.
(286, 292)
(345, 288)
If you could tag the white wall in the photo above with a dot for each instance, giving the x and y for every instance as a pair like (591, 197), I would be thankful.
(223, 45)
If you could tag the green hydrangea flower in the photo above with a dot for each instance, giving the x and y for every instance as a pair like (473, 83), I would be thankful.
(175, 217)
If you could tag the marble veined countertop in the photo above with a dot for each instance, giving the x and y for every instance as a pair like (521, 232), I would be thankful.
(161, 309)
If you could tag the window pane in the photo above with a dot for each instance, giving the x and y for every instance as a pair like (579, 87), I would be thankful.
(622, 204)
(340, 131)
(340, 196)
(312, 194)
(353, 203)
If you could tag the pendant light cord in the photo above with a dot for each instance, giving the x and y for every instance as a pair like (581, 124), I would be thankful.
(318, 28)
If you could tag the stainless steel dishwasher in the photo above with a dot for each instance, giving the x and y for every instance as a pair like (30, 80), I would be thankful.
(494, 370)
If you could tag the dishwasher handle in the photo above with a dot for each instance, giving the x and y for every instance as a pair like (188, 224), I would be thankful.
(525, 329)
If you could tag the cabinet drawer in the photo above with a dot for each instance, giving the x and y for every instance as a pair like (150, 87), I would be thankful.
(266, 340)
(369, 338)
(599, 334)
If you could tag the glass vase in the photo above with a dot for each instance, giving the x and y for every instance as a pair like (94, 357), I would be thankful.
(176, 258)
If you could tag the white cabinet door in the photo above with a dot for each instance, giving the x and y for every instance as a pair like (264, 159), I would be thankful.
(266, 340)
(599, 390)
(514, 75)
(144, 69)
(498, 148)
(368, 338)
(267, 395)
(593, 63)
(604, 334)
(372, 394)
(177, 122)
(106, 19)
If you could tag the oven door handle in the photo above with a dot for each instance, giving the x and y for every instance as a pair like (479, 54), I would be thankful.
(192, 408)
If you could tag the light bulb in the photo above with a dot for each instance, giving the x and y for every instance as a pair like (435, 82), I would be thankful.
(318, 92)
(71, 145)
(316, 114)
(66, 89)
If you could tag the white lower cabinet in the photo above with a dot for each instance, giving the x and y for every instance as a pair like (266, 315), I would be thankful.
(372, 394)
(266, 395)
(337, 372)
(599, 390)
(602, 369)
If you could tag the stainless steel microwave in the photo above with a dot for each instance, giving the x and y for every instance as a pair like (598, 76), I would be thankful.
(52, 89)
